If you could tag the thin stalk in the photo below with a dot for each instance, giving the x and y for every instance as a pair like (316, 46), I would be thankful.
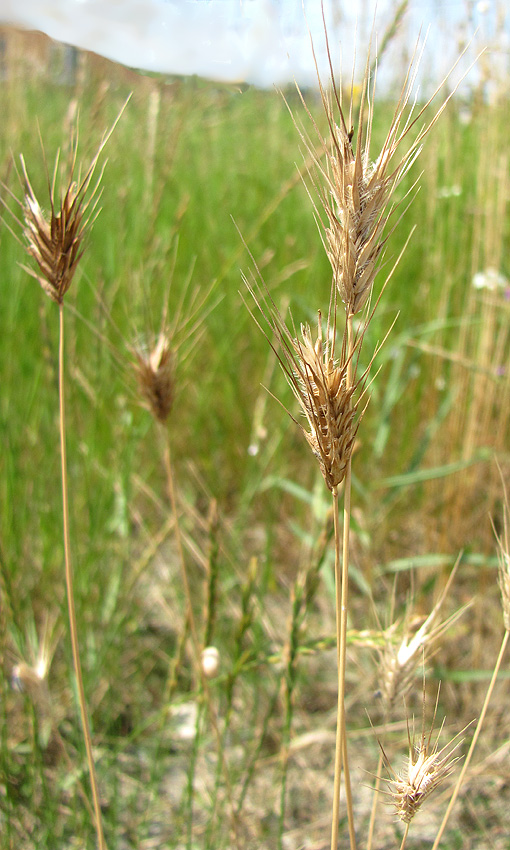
(374, 802)
(340, 713)
(473, 742)
(341, 635)
(404, 837)
(342, 598)
(289, 684)
(167, 460)
(70, 591)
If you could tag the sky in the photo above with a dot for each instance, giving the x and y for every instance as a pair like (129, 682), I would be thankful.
(264, 42)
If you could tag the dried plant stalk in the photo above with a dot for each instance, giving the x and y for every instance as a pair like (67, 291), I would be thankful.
(503, 543)
(56, 242)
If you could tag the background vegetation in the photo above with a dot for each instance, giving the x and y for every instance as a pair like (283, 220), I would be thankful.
(186, 161)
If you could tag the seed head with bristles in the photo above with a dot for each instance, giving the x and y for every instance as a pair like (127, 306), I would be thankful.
(427, 767)
(56, 239)
(319, 381)
(355, 190)
(155, 375)
(399, 660)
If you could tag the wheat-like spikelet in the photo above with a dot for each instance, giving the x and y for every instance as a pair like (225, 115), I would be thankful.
(400, 660)
(427, 766)
(356, 190)
(56, 239)
(155, 375)
(327, 401)
(319, 382)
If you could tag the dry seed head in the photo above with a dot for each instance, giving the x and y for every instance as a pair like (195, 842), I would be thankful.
(354, 196)
(55, 242)
(30, 675)
(355, 189)
(427, 767)
(321, 387)
(328, 396)
(155, 375)
(56, 239)
(400, 660)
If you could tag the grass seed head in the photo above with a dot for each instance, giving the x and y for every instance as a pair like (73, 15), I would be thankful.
(427, 766)
(328, 395)
(327, 401)
(353, 190)
(426, 769)
(399, 660)
(155, 375)
(55, 239)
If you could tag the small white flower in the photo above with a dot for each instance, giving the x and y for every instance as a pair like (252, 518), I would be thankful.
(210, 662)
(490, 279)
(449, 191)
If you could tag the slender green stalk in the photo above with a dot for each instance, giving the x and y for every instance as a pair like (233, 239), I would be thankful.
(474, 741)
(289, 684)
(70, 591)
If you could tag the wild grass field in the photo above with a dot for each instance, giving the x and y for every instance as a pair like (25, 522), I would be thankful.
(226, 492)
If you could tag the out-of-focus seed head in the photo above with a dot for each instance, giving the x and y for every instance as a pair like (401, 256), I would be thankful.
(155, 375)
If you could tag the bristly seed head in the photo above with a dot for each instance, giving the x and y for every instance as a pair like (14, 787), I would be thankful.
(56, 239)
(426, 768)
(399, 660)
(356, 190)
(321, 388)
(326, 387)
(155, 375)
(54, 242)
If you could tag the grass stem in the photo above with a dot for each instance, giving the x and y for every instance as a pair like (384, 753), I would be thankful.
(342, 597)
(377, 786)
(70, 591)
(473, 742)
(201, 678)
(404, 837)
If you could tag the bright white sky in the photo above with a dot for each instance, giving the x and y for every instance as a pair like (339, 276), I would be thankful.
(264, 42)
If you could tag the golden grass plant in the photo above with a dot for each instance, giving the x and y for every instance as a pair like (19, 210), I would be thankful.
(56, 242)
(353, 196)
